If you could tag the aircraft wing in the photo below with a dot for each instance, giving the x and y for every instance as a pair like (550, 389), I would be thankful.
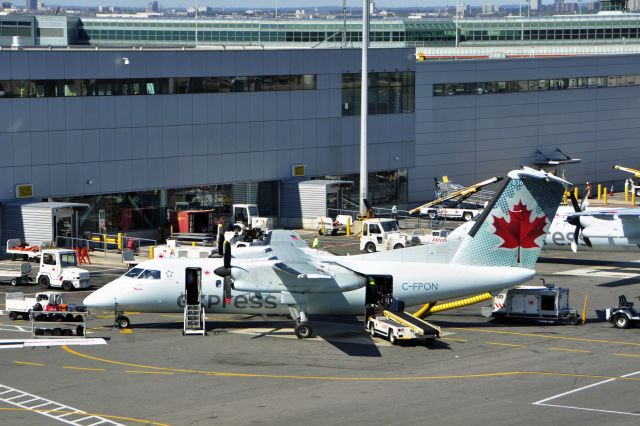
(616, 211)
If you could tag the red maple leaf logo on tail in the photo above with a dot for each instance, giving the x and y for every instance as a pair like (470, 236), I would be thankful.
(519, 232)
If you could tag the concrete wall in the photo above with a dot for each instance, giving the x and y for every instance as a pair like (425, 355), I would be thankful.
(135, 143)
(473, 137)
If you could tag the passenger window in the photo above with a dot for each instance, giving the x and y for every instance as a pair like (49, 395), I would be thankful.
(150, 274)
(133, 273)
(374, 229)
(49, 259)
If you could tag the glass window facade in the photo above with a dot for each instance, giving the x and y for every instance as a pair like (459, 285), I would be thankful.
(488, 87)
(154, 86)
(388, 93)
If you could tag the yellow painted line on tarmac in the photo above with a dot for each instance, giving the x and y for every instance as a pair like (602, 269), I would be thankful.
(83, 368)
(126, 331)
(106, 416)
(37, 364)
(545, 336)
(570, 350)
(631, 355)
(506, 344)
(149, 372)
(453, 338)
(335, 378)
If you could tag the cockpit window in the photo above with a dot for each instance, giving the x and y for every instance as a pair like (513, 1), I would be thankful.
(133, 272)
(150, 274)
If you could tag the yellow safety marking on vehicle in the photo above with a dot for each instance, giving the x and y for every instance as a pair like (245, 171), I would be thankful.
(84, 368)
(623, 354)
(126, 331)
(149, 372)
(37, 364)
(546, 336)
(570, 350)
(506, 344)
(346, 379)
(106, 416)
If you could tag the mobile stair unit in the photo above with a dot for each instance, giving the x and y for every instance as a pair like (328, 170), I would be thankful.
(194, 315)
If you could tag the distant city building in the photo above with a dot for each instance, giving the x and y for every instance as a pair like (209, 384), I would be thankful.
(633, 5)
(32, 5)
(152, 6)
(6, 5)
(534, 4)
(372, 7)
(490, 8)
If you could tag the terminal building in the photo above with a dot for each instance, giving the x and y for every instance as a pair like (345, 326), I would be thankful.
(135, 131)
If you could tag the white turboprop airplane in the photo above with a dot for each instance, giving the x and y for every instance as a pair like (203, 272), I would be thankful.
(601, 228)
(499, 251)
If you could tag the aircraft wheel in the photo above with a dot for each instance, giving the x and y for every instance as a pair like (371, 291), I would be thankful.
(303, 331)
(621, 321)
(370, 247)
(43, 281)
(123, 322)
(67, 286)
(398, 246)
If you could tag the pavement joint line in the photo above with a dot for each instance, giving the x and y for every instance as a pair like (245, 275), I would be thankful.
(346, 379)
(569, 350)
(546, 336)
(106, 416)
(68, 367)
(36, 364)
(506, 344)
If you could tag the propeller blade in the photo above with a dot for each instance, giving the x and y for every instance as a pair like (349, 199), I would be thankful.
(227, 255)
(227, 290)
(585, 198)
(220, 239)
(574, 242)
(574, 201)
(587, 241)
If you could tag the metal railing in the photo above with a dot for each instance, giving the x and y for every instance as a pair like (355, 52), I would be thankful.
(107, 243)
(405, 220)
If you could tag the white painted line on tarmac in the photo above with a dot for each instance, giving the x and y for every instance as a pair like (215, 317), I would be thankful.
(543, 402)
(598, 273)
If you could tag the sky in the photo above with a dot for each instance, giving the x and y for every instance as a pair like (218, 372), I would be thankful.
(257, 4)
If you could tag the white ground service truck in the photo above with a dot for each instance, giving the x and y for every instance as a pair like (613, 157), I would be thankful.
(59, 268)
(384, 234)
(246, 216)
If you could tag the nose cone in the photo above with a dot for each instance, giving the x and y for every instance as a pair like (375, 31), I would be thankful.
(101, 298)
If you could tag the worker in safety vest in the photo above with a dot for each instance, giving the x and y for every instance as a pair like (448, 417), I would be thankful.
(315, 243)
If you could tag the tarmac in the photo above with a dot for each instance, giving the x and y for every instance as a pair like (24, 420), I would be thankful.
(252, 371)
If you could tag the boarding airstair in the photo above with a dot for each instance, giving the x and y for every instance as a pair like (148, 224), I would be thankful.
(417, 325)
(194, 320)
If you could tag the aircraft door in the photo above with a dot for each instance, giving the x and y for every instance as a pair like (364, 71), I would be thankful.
(379, 291)
(193, 286)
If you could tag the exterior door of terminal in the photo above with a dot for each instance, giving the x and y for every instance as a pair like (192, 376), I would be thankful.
(65, 222)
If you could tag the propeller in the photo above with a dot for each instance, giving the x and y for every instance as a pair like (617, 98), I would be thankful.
(224, 271)
(575, 220)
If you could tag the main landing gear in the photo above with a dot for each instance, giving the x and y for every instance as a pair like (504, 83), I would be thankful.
(302, 329)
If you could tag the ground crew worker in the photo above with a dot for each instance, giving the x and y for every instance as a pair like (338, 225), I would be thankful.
(394, 212)
(315, 243)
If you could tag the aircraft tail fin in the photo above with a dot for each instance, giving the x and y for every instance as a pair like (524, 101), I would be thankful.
(511, 229)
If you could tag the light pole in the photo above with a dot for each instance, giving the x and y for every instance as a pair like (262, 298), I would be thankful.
(364, 106)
